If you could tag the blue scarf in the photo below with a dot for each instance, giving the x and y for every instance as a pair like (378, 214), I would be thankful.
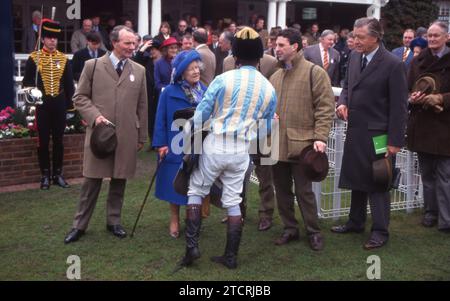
(193, 94)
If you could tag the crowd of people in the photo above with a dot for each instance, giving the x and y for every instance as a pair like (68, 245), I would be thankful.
(232, 77)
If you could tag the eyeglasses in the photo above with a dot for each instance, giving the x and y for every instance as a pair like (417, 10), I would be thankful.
(436, 35)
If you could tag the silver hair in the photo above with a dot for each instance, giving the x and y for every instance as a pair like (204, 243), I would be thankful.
(373, 25)
(35, 14)
(114, 35)
(442, 25)
(326, 32)
(228, 36)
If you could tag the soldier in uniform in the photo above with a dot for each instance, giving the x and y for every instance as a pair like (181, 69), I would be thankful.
(55, 81)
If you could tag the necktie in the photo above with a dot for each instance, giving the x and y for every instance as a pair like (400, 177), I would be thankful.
(119, 68)
(326, 64)
(93, 54)
(405, 54)
(363, 63)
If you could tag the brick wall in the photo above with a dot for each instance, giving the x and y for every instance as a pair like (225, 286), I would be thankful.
(19, 162)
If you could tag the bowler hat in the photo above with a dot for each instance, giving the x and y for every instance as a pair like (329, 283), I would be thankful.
(315, 164)
(427, 84)
(382, 173)
(103, 140)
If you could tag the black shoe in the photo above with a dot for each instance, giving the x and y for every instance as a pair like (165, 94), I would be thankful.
(345, 229)
(45, 180)
(429, 222)
(445, 230)
(117, 230)
(73, 235)
(59, 180)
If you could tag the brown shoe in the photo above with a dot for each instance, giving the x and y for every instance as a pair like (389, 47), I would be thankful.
(316, 241)
(265, 224)
(286, 238)
(373, 243)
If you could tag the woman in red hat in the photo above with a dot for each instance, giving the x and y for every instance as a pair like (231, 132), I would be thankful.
(163, 66)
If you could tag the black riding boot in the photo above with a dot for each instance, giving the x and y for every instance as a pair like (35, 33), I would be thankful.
(234, 233)
(58, 179)
(45, 179)
(193, 224)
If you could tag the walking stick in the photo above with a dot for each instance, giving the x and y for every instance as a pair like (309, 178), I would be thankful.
(146, 195)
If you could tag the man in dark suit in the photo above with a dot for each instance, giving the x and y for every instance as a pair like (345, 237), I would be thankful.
(92, 51)
(224, 50)
(324, 55)
(404, 53)
(98, 28)
(30, 33)
(374, 101)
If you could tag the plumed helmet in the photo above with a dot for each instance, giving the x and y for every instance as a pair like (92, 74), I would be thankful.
(50, 29)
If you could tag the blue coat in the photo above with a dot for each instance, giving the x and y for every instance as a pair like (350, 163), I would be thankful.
(398, 52)
(162, 73)
(172, 99)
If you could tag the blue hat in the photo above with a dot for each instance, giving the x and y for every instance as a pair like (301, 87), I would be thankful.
(182, 61)
(420, 42)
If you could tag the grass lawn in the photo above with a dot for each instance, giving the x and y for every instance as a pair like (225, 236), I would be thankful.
(33, 225)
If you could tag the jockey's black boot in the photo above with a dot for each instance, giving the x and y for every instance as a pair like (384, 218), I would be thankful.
(234, 233)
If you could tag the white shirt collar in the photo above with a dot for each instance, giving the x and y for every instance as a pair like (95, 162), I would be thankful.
(115, 60)
(371, 55)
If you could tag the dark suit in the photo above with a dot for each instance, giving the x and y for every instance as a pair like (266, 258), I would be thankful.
(29, 39)
(314, 55)
(220, 56)
(105, 37)
(376, 99)
(79, 58)
(145, 60)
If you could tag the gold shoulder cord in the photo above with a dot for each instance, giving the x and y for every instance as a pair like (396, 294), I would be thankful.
(51, 67)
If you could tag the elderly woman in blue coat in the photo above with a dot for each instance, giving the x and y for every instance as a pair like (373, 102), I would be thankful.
(184, 91)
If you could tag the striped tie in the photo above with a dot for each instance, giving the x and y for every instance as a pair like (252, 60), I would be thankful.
(326, 64)
(405, 54)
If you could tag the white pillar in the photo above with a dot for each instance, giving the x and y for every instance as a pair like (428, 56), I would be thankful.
(282, 13)
(143, 17)
(272, 15)
(156, 17)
